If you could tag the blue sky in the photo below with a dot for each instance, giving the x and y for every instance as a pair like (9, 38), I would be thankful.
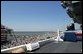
(34, 15)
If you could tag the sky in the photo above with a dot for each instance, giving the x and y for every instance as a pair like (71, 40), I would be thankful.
(34, 15)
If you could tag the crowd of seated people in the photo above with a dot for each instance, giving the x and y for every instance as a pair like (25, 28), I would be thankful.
(17, 40)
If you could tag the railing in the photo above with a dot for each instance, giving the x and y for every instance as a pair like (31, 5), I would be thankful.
(26, 46)
(43, 42)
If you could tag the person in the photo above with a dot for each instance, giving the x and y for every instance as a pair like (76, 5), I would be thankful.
(72, 26)
(81, 26)
(68, 28)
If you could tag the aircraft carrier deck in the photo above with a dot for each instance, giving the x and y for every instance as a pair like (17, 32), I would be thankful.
(60, 47)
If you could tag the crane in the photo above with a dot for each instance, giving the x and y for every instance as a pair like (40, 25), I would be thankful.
(74, 10)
